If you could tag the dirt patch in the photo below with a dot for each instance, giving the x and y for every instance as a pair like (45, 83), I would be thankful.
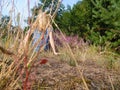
(59, 75)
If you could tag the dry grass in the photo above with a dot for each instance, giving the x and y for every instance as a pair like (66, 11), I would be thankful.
(15, 67)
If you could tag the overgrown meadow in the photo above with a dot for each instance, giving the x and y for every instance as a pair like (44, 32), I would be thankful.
(79, 66)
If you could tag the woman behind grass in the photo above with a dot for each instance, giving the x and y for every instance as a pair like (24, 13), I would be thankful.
(42, 31)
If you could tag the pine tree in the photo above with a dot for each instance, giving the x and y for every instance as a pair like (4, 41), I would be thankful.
(106, 22)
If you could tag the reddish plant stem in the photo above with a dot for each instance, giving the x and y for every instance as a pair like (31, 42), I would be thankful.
(26, 74)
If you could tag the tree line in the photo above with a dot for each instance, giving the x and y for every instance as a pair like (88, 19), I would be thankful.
(96, 21)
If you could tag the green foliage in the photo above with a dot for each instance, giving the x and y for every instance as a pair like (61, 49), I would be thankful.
(106, 22)
(72, 20)
(94, 20)
(4, 26)
(64, 21)
(46, 5)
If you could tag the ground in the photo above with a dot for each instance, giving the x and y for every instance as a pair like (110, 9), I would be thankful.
(59, 75)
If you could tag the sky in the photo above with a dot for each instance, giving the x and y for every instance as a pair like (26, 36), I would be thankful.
(21, 6)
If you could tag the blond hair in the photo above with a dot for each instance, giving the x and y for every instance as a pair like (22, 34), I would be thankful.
(42, 21)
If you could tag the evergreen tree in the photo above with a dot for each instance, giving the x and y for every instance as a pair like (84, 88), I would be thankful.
(106, 22)
(4, 26)
(94, 20)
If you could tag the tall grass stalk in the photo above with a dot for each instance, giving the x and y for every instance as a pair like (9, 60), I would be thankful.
(71, 52)
(15, 66)
(11, 64)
